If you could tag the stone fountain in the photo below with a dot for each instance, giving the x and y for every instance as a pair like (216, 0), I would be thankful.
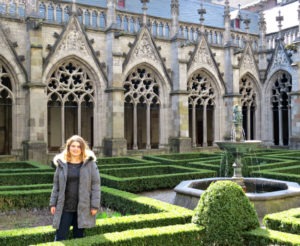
(267, 195)
(237, 146)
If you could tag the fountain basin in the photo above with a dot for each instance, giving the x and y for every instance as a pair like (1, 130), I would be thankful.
(241, 147)
(278, 195)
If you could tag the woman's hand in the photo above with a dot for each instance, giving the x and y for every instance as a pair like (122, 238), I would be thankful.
(53, 210)
(93, 211)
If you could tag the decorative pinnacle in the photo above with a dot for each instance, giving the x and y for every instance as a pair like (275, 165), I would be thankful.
(73, 10)
(144, 8)
(201, 12)
(279, 19)
(227, 8)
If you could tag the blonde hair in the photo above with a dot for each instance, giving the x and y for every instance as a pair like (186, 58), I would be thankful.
(83, 146)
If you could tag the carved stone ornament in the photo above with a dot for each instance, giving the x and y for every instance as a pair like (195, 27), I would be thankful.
(248, 62)
(280, 59)
(247, 91)
(73, 41)
(70, 82)
(202, 56)
(141, 87)
(145, 49)
(5, 84)
(200, 90)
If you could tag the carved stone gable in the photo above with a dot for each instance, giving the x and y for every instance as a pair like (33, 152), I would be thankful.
(73, 40)
(280, 59)
(202, 55)
(248, 61)
(145, 49)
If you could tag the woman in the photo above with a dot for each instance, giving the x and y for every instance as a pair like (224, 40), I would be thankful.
(75, 197)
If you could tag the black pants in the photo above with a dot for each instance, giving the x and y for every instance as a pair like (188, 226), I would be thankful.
(68, 219)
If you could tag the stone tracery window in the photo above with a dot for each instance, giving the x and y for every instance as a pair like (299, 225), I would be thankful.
(281, 106)
(201, 109)
(142, 109)
(70, 93)
(6, 100)
(248, 102)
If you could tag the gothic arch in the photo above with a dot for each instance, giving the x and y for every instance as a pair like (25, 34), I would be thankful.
(204, 114)
(164, 81)
(279, 107)
(248, 88)
(145, 99)
(219, 84)
(75, 96)
(7, 102)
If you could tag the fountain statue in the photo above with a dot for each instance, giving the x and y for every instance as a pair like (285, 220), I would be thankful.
(268, 195)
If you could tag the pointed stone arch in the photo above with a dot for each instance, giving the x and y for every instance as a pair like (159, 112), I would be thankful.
(74, 42)
(278, 92)
(143, 107)
(203, 98)
(250, 96)
(7, 100)
(145, 51)
(75, 97)
(202, 57)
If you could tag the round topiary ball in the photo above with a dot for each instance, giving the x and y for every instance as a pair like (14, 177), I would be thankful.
(225, 212)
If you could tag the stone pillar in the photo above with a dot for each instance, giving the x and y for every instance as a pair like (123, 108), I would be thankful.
(35, 147)
(295, 120)
(294, 142)
(179, 140)
(232, 97)
(115, 143)
(262, 48)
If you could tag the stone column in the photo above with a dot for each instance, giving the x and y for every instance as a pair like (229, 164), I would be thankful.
(249, 122)
(115, 143)
(294, 110)
(232, 97)
(179, 140)
(262, 48)
(295, 119)
(35, 146)
(204, 125)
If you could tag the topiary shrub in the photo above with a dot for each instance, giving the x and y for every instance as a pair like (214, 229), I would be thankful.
(225, 212)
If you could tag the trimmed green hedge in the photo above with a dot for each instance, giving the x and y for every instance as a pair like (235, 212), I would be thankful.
(279, 173)
(119, 160)
(176, 235)
(158, 214)
(25, 187)
(152, 178)
(266, 237)
(225, 212)
(26, 178)
(286, 221)
(182, 159)
(23, 166)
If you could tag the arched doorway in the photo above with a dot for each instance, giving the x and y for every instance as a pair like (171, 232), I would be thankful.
(281, 106)
(70, 91)
(201, 109)
(142, 109)
(6, 96)
(248, 102)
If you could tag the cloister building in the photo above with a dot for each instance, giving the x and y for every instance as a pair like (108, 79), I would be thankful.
(144, 75)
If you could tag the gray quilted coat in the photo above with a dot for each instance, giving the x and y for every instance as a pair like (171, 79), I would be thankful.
(89, 190)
